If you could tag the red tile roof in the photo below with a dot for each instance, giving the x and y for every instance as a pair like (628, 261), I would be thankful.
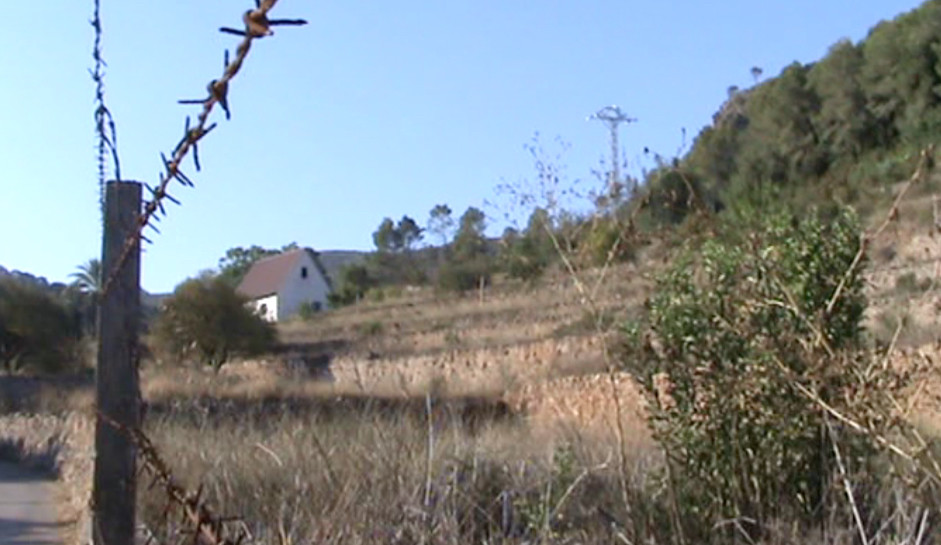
(267, 275)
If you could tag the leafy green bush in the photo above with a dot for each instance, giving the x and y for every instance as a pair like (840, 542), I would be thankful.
(207, 320)
(738, 332)
(524, 258)
(607, 241)
(526, 255)
(36, 331)
(373, 328)
(464, 276)
(355, 281)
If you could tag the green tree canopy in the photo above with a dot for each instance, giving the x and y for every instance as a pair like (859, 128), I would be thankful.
(441, 223)
(206, 320)
(394, 238)
(844, 124)
(410, 234)
(386, 237)
(469, 242)
(832, 127)
(470, 264)
(36, 331)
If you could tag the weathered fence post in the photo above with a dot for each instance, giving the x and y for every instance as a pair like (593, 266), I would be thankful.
(118, 391)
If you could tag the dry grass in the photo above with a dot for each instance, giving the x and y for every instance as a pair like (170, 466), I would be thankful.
(358, 470)
(387, 472)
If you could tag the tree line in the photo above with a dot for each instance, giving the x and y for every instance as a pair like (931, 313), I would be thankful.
(43, 327)
(841, 127)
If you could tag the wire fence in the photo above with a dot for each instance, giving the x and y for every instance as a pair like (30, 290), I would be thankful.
(196, 518)
(257, 25)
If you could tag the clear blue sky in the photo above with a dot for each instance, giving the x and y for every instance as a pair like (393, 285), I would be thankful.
(374, 109)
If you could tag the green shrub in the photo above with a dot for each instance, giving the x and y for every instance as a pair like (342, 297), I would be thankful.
(525, 257)
(607, 242)
(376, 295)
(734, 330)
(36, 332)
(207, 320)
(371, 329)
(464, 276)
(355, 281)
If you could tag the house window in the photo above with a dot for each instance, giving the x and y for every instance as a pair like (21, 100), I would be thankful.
(318, 306)
(263, 309)
(303, 272)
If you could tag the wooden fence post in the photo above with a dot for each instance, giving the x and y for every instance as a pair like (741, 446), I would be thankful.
(118, 391)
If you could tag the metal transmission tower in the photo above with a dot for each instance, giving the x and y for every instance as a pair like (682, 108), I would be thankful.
(612, 116)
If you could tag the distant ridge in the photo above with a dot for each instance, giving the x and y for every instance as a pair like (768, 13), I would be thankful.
(335, 260)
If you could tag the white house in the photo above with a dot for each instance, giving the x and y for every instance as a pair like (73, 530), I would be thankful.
(277, 286)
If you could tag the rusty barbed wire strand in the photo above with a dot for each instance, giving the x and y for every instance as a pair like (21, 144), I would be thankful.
(207, 527)
(198, 519)
(257, 25)
(103, 119)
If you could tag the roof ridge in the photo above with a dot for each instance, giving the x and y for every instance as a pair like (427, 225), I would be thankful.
(280, 253)
(268, 274)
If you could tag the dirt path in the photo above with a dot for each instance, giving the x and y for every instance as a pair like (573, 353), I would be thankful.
(27, 507)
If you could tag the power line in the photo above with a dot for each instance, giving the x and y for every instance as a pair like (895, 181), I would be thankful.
(613, 117)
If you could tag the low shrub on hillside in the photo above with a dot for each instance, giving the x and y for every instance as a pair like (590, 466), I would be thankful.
(607, 241)
(464, 276)
(744, 345)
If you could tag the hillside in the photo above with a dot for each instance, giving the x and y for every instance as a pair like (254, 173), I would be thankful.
(334, 260)
(841, 128)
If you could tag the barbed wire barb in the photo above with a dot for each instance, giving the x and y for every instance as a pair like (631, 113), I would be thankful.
(197, 517)
(254, 20)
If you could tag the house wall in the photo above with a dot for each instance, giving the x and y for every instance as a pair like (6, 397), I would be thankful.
(297, 290)
(266, 307)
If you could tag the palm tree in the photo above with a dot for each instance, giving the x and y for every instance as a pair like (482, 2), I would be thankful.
(87, 282)
(87, 279)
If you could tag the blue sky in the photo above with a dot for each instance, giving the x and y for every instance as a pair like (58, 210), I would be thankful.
(374, 109)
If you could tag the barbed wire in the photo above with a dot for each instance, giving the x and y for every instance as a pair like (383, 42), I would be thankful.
(104, 122)
(256, 25)
(198, 519)
(206, 526)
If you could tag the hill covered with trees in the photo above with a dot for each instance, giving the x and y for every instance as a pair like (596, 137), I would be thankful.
(838, 128)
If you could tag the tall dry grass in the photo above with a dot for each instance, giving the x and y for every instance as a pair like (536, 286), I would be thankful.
(380, 471)
(368, 471)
